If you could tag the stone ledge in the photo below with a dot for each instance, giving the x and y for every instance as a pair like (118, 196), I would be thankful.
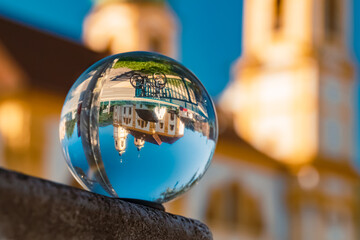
(32, 208)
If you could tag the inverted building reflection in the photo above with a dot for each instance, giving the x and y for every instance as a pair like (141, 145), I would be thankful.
(153, 124)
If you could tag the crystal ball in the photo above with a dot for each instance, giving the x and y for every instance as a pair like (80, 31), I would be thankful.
(138, 125)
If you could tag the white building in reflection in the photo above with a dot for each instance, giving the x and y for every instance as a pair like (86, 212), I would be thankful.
(147, 124)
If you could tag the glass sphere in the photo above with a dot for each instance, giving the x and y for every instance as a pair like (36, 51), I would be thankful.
(138, 125)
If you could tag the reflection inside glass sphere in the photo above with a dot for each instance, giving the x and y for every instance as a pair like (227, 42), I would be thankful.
(138, 125)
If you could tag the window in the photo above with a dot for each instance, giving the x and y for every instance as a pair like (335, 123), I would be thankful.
(155, 44)
(161, 125)
(331, 19)
(278, 14)
(124, 110)
(129, 110)
(236, 209)
(172, 116)
(171, 127)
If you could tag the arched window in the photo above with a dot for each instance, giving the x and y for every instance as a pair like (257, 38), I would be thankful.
(278, 14)
(233, 208)
(332, 20)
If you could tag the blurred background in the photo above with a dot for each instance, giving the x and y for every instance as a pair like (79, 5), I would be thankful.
(283, 75)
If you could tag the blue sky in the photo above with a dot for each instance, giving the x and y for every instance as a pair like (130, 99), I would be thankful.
(136, 173)
(164, 166)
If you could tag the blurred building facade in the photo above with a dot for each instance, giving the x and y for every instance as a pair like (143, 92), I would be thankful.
(34, 77)
(291, 99)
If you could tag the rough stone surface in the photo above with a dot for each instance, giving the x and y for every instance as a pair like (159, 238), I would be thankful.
(32, 208)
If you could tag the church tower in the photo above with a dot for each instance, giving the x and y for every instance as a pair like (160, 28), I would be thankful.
(120, 137)
(292, 94)
(292, 98)
(131, 25)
